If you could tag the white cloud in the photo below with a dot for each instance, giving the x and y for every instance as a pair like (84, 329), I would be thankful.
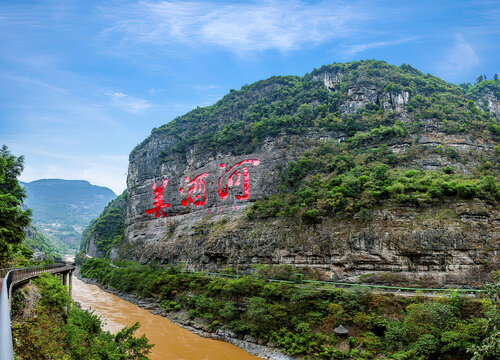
(31, 81)
(354, 49)
(240, 27)
(153, 91)
(458, 59)
(205, 87)
(128, 103)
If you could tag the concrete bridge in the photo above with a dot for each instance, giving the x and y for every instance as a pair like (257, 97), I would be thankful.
(11, 278)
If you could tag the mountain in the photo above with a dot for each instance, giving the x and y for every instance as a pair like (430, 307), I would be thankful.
(63, 208)
(361, 170)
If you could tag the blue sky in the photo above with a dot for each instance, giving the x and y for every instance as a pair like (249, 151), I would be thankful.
(83, 82)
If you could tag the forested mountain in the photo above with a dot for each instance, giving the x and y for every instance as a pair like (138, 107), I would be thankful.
(62, 208)
(357, 169)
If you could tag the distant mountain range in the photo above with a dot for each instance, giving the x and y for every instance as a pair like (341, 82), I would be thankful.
(63, 208)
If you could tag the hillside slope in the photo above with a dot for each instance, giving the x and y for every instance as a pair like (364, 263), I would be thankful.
(357, 169)
(62, 208)
(37, 241)
(106, 229)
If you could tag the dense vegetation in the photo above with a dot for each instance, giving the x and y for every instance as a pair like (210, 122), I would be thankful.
(18, 237)
(241, 120)
(13, 219)
(300, 319)
(481, 88)
(49, 330)
(107, 229)
(348, 178)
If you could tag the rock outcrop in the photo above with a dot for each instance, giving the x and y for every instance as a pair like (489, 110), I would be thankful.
(489, 102)
(105, 230)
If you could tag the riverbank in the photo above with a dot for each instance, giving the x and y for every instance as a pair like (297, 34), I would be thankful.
(304, 320)
(182, 319)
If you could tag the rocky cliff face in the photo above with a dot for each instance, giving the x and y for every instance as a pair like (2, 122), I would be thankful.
(188, 199)
(220, 189)
(92, 249)
(454, 244)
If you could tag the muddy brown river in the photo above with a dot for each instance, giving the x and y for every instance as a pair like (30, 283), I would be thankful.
(172, 342)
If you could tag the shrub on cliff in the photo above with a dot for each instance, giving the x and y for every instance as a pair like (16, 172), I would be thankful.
(358, 179)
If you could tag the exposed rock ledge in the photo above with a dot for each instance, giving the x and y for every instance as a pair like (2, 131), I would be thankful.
(181, 318)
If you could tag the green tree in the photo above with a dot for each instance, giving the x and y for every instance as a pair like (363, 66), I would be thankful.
(55, 331)
(490, 346)
(257, 314)
(13, 219)
(428, 318)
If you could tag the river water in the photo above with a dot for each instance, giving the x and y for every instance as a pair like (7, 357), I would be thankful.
(172, 342)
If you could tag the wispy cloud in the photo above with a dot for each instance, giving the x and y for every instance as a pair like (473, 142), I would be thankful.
(205, 87)
(128, 103)
(238, 28)
(34, 14)
(358, 48)
(458, 59)
(153, 91)
(31, 81)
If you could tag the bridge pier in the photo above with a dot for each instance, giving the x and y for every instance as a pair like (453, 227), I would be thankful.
(70, 284)
(67, 280)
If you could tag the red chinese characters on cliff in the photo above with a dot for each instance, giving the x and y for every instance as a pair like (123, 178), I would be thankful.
(158, 203)
(196, 187)
(237, 175)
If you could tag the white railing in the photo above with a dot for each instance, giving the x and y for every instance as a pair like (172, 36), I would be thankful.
(12, 277)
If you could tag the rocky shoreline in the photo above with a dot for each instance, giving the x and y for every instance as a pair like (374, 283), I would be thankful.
(182, 319)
